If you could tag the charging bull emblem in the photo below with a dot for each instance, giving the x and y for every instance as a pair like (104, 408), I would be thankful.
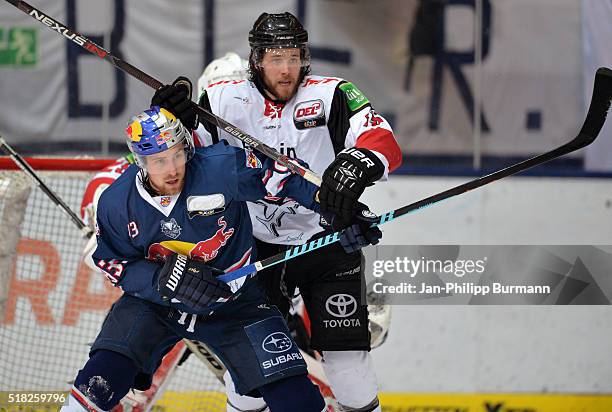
(209, 248)
(204, 250)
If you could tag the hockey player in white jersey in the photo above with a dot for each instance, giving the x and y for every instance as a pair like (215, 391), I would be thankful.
(330, 124)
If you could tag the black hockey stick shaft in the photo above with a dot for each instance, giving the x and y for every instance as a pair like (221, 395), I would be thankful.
(596, 116)
(215, 120)
(23, 165)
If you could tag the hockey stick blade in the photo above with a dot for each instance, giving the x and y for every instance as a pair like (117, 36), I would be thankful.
(150, 81)
(595, 119)
(598, 109)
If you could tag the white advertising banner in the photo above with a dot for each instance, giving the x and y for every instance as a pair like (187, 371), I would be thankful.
(413, 59)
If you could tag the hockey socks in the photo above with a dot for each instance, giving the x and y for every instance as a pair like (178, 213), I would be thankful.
(104, 380)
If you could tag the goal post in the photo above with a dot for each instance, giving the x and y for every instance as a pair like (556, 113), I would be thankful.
(51, 304)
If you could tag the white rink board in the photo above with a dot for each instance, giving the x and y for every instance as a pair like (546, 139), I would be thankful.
(498, 348)
(515, 210)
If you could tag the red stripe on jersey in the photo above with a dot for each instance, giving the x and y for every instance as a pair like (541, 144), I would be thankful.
(91, 190)
(382, 141)
(197, 140)
(243, 260)
(267, 176)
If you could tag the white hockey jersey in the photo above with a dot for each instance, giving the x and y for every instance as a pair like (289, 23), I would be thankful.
(326, 115)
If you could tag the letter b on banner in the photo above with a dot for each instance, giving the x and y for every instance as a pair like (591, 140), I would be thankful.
(117, 105)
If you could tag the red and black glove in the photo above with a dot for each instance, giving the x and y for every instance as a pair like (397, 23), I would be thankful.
(176, 98)
(346, 178)
(192, 282)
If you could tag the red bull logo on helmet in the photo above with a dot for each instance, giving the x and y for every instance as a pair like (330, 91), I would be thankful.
(134, 131)
(150, 121)
(163, 137)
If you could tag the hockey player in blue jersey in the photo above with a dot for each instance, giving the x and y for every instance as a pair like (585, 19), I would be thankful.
(165, 228)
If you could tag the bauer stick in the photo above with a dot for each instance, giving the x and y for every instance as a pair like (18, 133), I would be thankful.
(596, 116)
(23, 165)
(150, 81)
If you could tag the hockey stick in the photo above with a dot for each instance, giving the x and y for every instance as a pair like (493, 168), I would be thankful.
(596, 116)
(213, 119)
(23, 165)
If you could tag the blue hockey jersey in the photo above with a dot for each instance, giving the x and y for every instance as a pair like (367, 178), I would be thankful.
(209, 219)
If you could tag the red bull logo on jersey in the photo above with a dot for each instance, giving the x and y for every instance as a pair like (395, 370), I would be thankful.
(209, 249)
(204, 250)
(158, 252)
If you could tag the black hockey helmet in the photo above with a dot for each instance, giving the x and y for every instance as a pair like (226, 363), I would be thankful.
(276, 31)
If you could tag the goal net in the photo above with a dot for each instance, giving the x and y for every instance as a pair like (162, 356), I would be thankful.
(51, 304)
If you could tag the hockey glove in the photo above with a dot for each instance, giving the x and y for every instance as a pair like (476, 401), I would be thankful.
(177, 99)
(192, 282)
(346, 178)
(359, 233)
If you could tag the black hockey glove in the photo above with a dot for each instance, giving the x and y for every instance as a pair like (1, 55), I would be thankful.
(346, 178)
(357, 234)
(176, 97)
(192, 282)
